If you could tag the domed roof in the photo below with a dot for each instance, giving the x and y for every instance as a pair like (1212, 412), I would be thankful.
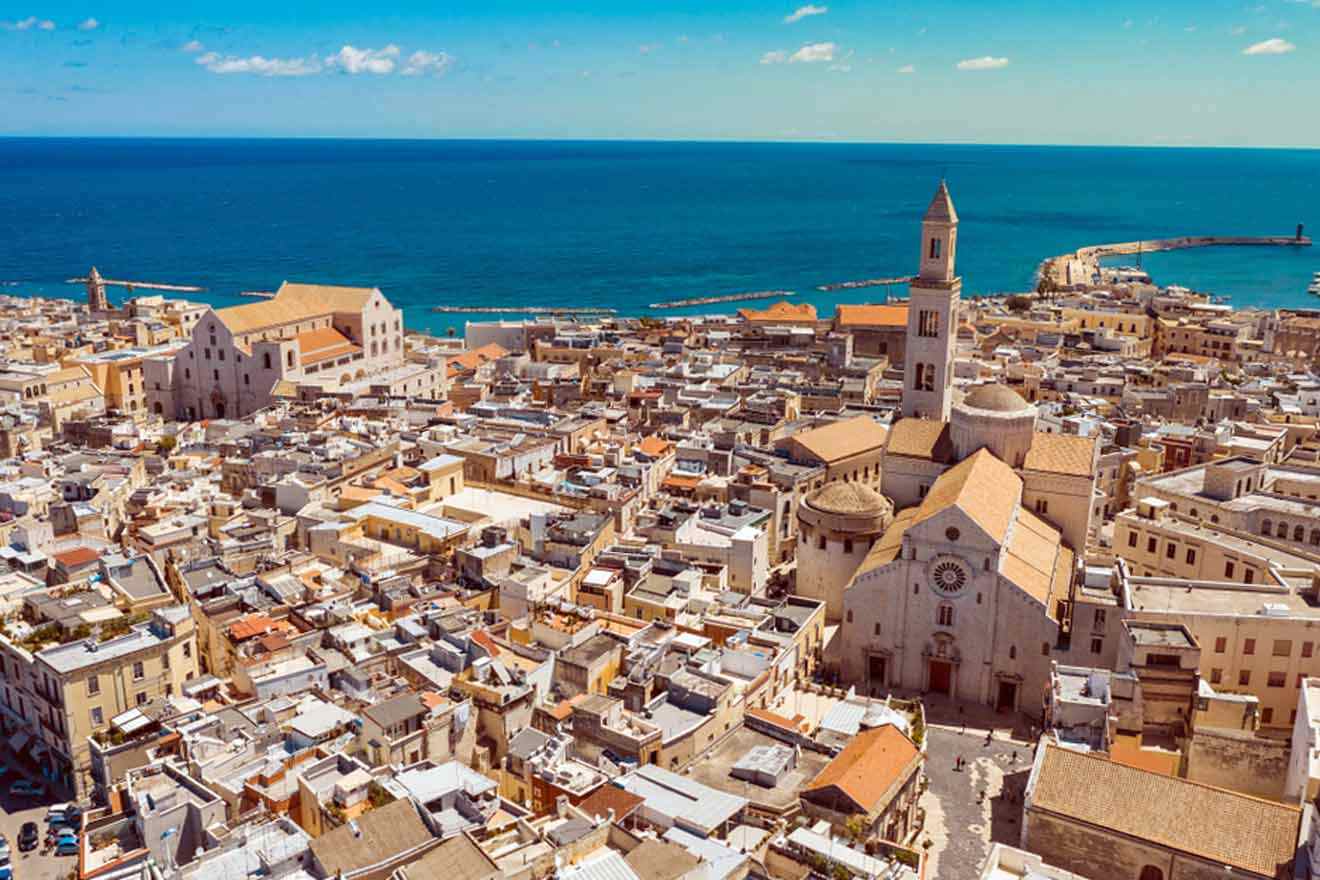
(852, 499)
(996, 398)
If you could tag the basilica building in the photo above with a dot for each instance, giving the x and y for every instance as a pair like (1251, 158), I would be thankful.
(969, 551)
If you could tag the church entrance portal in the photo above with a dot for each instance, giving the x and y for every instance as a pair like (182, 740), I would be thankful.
(877, 678)
(941, 677)
(1007, 701)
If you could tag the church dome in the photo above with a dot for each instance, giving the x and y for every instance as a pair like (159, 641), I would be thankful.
(850, 499)
(996, 398)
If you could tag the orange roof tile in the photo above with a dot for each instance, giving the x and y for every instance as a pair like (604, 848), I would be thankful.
(920, 438)
(654, 445)
(76, 557)
(870, 768)
(842, 439)
(1065, 454)
(324, 344)
(611, 797)
(864, 316)
(981, 486)
(251, 625)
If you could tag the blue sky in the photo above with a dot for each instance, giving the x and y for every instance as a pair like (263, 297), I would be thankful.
(1175, 73)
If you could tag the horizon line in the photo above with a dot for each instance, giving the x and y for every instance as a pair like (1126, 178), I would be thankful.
(647, 140)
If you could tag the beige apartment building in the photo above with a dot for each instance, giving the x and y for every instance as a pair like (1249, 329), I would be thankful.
(53, 700)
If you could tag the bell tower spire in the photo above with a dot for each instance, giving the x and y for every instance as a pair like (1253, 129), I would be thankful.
(933, 314)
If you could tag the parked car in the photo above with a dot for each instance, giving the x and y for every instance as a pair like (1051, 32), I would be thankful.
(55, 812)
(28, 837)
(66, 846)
(6, 866)
(26, 788)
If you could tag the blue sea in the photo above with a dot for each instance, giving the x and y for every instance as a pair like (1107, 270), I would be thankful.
(624, 224)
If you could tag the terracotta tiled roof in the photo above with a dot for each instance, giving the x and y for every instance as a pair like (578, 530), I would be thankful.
(844, 439)
(871, 316)
(1065, 454)
(1222, 826)
(654, 445)
(324, 344)
(886, 550)
(294, 302)
(1037, 562)
(780, 311)
(981, 486)
(611, 797)
(870, 767)
(76, 557)
(920, 438)
(251, 625)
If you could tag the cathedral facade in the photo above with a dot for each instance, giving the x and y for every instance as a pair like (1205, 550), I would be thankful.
(965, 592)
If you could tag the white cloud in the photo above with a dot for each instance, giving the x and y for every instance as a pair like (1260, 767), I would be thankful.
(648, 48)
(192, 46)
(985, 62)
(419, 63)
(908, 68)
(259, 65)
(813, 52)
(351, 59)
(1272, 46)
(88, 24)
(27, 24)
(805, 11)
(775, 57)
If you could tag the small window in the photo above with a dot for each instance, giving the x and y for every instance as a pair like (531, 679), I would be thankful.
(98, 717)
(1151, 544)
(1307, 647)
(847, 545)
(1266, 715)
(1191, 556)
(1012, 652)
(850, 615)
(1277, 679)
(1044, 649)
(1228, 569)
(142, 698)
(944, 615)
(952, 534)
(1244, 678)
(1282, 647)
(1132, 539)
(93, 685)
(187, 649)
(1097, 646)
(139, 671)
(1216, 675)
(877, 628)
(1098, 622)
(1221, 645)
(1171, 550)
(1249, 646)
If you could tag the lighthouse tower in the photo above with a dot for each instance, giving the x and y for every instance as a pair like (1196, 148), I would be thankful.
(932, 313)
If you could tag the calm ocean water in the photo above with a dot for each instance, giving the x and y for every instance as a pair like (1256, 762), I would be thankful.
(625, 224)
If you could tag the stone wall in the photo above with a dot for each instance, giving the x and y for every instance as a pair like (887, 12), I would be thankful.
(1239, 761)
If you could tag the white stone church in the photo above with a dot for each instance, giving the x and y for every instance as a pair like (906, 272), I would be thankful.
(965, 591)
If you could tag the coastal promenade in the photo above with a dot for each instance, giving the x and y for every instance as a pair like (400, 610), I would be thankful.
(1081, 265)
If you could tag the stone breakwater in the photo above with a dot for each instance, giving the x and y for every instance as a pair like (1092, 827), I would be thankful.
(1079, 266)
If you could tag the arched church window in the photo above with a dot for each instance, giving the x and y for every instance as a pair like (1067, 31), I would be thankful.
(944, 614)
(1266, 527)
(1012, 652)
(934, 248)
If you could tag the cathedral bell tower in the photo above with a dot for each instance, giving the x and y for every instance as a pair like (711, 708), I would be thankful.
(932, 313)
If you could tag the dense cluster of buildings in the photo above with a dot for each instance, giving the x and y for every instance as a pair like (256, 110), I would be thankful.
(640, 599)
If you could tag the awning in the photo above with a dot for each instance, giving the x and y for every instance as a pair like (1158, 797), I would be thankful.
(18, 741)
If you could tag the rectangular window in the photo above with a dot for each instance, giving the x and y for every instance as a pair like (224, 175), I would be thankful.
(1277, 679)
(142, 698)
(187, 649)
(1216, 675)
(1266, 715)
(1249, 576)
(139, 671)
(1097, 646)
(1228, 569)
(1306, 649)
(1099, 620)
(1170, 551)
(1221, 645)
(1282, 647)
(93, 685)
(1191, 556)
(98, 718)
(1151, 544)
(1244, 678)
(1132, 539)
(1248, 646)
